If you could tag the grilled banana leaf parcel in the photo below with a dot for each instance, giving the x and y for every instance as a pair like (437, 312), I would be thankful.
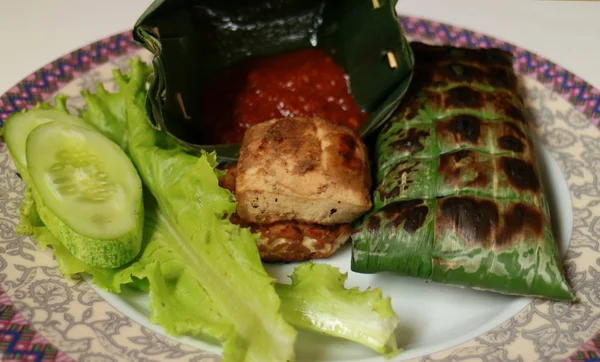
(458, 197)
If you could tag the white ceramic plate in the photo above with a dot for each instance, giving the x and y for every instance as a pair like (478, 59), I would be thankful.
(438, 322)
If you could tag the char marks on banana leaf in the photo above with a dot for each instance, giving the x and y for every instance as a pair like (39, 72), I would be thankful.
(458, 197)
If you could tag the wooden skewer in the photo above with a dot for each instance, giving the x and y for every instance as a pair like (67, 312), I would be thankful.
(182, 106)
(392, 60)
(375, 3)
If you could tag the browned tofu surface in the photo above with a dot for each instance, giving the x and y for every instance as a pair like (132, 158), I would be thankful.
(288, 241)
(302, 169)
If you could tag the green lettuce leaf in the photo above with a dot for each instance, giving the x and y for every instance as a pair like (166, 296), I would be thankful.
(179, 303)
(27, 214)
(222, 257)
(104, 108)
(317, 300)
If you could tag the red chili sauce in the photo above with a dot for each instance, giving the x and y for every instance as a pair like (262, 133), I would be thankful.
(303, 83)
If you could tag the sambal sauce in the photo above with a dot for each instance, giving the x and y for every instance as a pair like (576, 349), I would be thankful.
(303, 83)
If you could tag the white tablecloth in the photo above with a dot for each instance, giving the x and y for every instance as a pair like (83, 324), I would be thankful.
(35, 32)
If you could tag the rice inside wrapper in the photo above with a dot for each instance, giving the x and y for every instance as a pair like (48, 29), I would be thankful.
(458, 197)
(194, 39)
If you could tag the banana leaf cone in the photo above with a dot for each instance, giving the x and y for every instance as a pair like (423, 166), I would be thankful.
(192, 40)
(458, 197)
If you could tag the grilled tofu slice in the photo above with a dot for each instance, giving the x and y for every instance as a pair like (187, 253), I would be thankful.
(288, 241)
(302, 169)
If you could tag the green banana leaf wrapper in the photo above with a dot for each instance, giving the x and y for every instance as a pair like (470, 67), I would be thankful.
(458, 198)
(192, 40)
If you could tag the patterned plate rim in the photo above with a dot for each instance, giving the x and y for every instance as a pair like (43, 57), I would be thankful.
(20, 341)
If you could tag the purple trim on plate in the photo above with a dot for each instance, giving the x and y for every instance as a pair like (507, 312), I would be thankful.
(40, 85)
(19, 341)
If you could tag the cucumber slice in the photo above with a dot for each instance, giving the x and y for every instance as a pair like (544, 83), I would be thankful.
(88, 192)
(18, 127)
